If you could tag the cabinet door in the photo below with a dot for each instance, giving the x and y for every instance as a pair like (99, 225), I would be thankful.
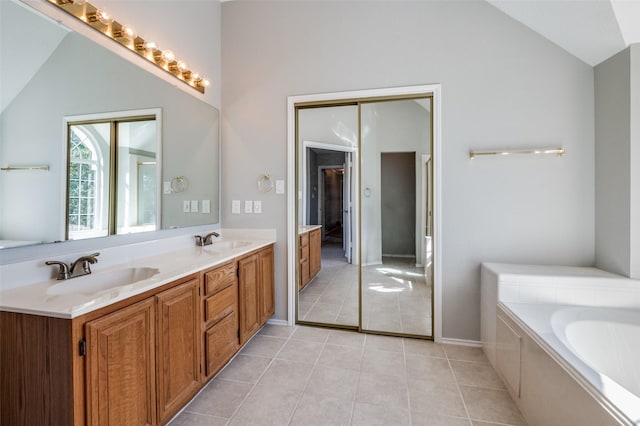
(314, 252)
(221, 342)
(249, 292)
(120, 367)
(267, 299)
(178, 347)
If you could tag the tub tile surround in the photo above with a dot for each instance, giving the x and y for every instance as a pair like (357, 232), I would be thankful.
(525, 300)
(23, 286)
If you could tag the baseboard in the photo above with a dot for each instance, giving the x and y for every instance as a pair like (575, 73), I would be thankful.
(274, 321)
(461, 342)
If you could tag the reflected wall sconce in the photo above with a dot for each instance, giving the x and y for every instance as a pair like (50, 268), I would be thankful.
(100, 20)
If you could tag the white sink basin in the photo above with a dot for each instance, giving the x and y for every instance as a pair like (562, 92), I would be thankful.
(94, 283)
(227, 245)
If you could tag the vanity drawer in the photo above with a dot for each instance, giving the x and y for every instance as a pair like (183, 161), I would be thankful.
(220, 278)
(220, 304)
(304, 253)
(304, 239)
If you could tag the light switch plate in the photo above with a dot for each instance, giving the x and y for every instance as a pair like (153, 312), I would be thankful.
(186, 206)
(194, 206)
(235, 206)
(248, 206)
(280, 186)
(206, 206)
(257, 207)
(166, 187)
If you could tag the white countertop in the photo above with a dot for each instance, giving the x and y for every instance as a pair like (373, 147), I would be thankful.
(306, 228)
(36, 298)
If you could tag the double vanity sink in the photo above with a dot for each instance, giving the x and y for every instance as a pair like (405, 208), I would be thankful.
(76, 296)
(133, 341)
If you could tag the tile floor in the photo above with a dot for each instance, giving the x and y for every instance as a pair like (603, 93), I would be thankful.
(313, 376)
(396, 296)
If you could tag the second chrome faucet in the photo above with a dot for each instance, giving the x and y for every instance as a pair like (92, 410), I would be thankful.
(206, 240)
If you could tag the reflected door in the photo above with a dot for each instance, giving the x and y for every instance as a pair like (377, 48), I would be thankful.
(375, 273)
(396, 286)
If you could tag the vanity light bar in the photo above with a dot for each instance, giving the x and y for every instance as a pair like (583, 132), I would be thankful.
(126, 35)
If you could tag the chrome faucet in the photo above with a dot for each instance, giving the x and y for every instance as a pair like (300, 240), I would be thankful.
(66, 271)
(206, 240)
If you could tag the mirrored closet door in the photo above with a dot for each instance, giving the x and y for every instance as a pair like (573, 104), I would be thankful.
(364, 246)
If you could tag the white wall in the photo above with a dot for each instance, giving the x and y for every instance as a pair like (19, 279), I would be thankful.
(613, 166)
(503, 86)
(617, 124)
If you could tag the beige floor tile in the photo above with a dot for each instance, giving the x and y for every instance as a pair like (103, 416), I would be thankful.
(322, 411)
(479, 423)
(349, 357)
(383, 362)
(379, 415)
(265, 346)
(193, 419)
(221, 398)
(491, 405)
(423, 347)
(266, 406)
(384, 343)
(429, 368)
(381, 389)
(435, 398)
(301, 351)
(283, 331)
(476, 374)
(312, 334)
(465, 353)
(286, 374)
(244, 368)
(333, 382)
(422, 419)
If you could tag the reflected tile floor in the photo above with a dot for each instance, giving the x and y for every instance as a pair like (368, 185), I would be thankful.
(396, 295)
(313, 376)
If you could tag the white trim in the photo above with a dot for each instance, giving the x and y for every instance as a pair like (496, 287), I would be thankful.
(461, 342)
(435, 90)
(274, 321)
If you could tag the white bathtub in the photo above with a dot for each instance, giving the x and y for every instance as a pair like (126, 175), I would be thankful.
(599, 347)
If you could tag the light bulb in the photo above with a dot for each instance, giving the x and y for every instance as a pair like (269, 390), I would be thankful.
(168, 56)
(182, 66)
(206, 83)
(195, 76)
(127, 31)
(100, 15)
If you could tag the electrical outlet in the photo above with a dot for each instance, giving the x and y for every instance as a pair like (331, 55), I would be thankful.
(280, 186)
(206, 206)
(166, 187)
(186, 206)
(248, 206)
(257, 207)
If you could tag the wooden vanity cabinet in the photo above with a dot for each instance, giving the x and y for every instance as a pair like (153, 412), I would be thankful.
(177, 347)
(314, 252)
(121, 367)
(220, 320)
(310, 256)
(143, 360)
(138, 360)
(256, 285)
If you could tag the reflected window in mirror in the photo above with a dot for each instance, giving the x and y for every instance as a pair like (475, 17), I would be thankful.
(112, 180)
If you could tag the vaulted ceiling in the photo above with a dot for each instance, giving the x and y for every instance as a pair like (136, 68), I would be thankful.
(592, 30)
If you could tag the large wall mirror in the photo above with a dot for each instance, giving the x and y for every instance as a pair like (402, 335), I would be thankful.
(364, 214)
(51, 75)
